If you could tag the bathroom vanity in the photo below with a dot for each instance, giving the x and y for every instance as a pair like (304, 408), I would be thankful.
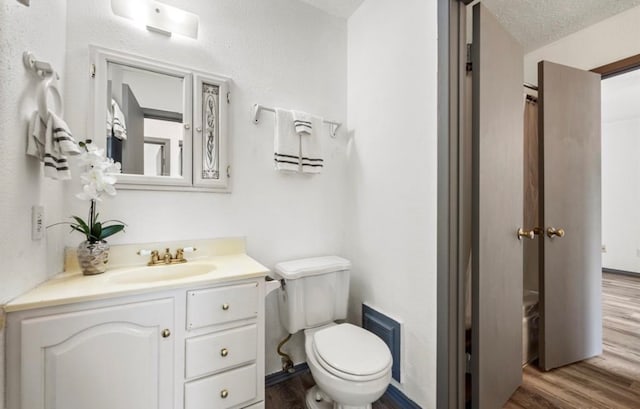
(190, 337)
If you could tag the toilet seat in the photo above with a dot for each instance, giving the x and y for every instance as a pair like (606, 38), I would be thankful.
(351, 353)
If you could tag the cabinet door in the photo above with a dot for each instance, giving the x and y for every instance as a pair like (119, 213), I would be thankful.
(105, 358)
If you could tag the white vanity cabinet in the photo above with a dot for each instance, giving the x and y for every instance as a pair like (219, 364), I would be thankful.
(184, 348)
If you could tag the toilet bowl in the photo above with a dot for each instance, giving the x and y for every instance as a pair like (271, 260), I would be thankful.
(351, 367)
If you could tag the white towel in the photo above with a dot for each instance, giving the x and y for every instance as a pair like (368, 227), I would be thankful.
(311, 147)
(50, 143)
(116, 122)
(286, 142)
(302, 123)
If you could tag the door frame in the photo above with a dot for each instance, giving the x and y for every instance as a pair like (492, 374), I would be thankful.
(618, 67)
(451, 362)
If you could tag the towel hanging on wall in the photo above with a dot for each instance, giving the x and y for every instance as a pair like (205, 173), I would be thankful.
(50, 142)
(286, 142)
(310, 142)
(49, 138)
(297, 148)
(116, 123)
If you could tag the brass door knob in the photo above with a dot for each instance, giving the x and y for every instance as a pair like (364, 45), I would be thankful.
(529, 234)
(224, 352)
(225, 307)
(166, 333)
(553, 232)
(224, 393)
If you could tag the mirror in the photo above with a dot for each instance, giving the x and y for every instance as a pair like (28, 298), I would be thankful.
(166, 125)
(144, 120)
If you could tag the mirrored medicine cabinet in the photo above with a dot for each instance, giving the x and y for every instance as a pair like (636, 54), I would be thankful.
(165, 124)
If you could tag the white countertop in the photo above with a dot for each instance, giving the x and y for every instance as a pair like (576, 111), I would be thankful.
(72, 287)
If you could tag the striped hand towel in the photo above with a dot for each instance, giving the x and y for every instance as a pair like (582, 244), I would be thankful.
(286, 142)
(50, 143)
(302, 123)
(116, 123)
(311, 147)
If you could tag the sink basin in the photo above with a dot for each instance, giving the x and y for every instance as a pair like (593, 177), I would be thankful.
(149, 274)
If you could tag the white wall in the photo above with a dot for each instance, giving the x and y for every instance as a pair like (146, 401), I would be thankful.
(610, 40)
(621, 194)
(278, 53)
(25, 262)
(391, 234)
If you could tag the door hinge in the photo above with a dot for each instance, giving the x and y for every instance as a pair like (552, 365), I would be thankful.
(92, 70)
(229, 97)
(469, 65)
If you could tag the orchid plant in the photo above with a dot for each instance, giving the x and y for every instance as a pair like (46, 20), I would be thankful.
(97, 178)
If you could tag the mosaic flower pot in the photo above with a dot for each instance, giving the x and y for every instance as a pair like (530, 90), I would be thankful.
(93, 257)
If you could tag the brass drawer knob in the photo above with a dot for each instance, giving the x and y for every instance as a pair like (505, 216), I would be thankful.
(224, 352)
(166, 333)
(224, 393)
(225, 307)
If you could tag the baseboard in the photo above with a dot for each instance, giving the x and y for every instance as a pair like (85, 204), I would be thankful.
(393, 394)
(400, 399)
(620, 272)
(276, 378)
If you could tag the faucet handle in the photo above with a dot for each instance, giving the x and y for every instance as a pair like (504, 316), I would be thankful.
(189, 249)
(144, 252)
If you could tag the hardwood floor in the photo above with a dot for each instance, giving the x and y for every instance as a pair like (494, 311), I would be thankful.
(609, 381)
(290, 394)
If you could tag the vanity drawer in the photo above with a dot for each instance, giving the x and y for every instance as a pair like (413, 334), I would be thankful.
(214, 352)
(223, 304)
(222, 391)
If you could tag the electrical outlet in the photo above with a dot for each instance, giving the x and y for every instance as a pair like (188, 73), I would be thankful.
(37, 222)
(604, 248)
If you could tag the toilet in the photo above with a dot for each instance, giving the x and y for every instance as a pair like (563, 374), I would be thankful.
(350, 365)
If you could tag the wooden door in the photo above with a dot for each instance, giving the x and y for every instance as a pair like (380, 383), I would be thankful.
(571, 274)
(497, 212)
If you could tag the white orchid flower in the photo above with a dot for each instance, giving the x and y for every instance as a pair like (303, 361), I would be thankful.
(98, 176)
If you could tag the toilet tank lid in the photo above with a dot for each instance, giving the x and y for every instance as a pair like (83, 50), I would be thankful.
(306, 267)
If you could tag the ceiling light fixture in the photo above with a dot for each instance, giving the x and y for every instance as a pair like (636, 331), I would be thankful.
(158, 17)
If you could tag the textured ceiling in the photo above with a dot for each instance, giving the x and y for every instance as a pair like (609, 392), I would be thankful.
(340, 8)
(535, 23)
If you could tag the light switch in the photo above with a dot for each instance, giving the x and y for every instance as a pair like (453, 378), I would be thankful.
(37, 222)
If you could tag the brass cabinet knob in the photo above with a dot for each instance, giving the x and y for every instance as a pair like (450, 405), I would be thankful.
(553, 232)
(224, 352)
(225, 307)
(166, 333)
(529, 234)
(224, 393)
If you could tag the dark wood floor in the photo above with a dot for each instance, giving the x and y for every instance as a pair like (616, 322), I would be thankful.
(290, 394)
(609, 381)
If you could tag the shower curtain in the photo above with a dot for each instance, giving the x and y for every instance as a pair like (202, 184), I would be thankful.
(531, 193)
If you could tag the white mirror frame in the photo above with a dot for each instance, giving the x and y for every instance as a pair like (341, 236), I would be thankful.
(192, 177)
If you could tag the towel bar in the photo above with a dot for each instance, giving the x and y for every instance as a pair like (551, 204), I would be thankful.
(257, 108)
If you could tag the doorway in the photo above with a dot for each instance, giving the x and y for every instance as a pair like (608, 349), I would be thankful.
(456, 55)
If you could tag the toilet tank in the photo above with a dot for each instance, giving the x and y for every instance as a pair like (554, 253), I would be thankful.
(314, 291)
